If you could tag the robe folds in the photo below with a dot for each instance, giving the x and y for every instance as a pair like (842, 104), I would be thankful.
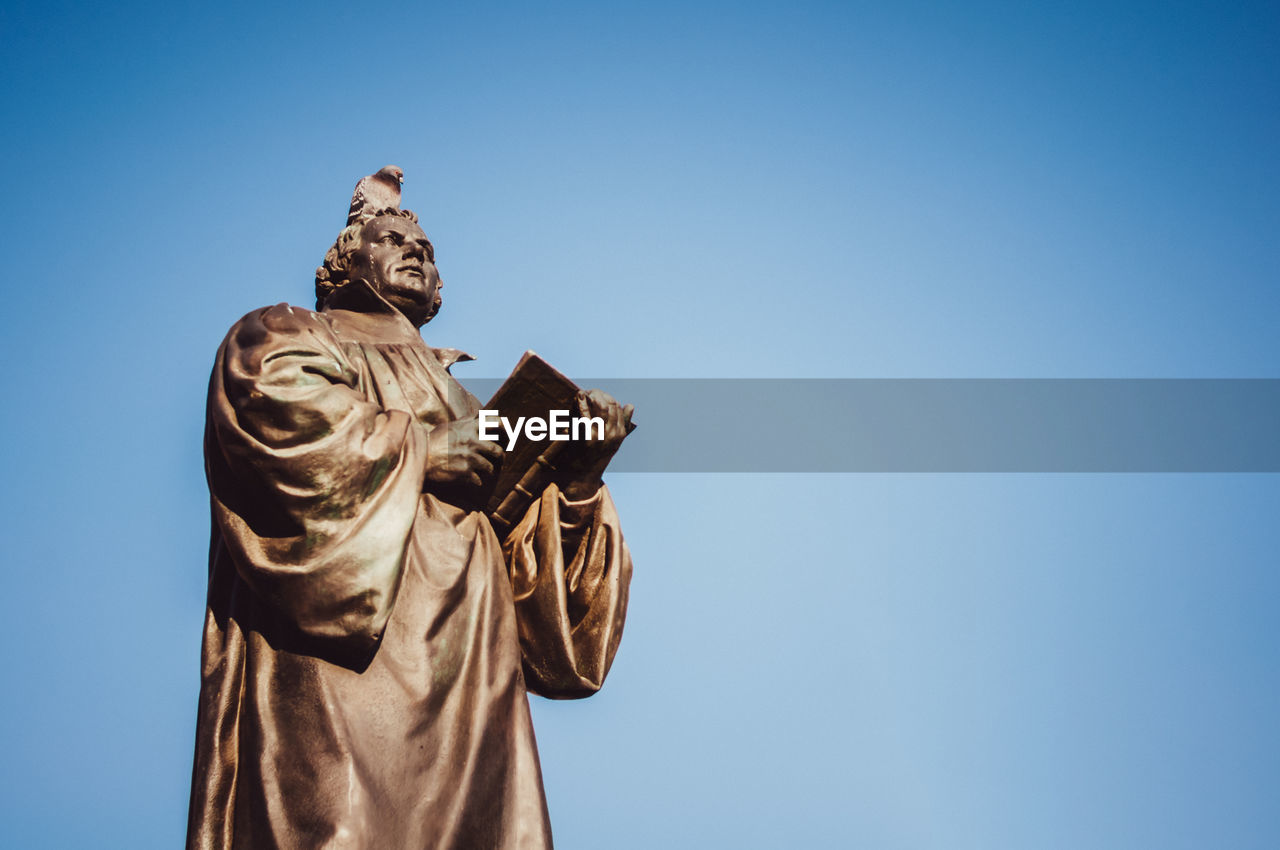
(367, 646)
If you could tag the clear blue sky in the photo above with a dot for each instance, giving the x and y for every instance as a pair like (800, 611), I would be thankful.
(674, 190)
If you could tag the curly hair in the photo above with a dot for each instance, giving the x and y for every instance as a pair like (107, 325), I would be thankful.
(337, 260)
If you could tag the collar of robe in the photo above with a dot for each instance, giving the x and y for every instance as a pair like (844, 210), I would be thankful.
(363, 308)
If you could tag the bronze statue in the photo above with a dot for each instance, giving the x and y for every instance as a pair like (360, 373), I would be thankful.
(369, 638)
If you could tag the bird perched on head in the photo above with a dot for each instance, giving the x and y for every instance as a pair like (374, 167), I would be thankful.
(376, 192)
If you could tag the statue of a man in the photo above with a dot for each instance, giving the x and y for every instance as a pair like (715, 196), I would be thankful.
(369, 639)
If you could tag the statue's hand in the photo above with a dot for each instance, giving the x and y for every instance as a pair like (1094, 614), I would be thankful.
(583, 480)
(458, 461)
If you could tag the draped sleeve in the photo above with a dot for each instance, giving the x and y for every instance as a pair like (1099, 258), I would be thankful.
(570, 573)
(314, 486)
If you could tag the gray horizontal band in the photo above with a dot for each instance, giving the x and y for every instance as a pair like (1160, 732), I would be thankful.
(927, 425)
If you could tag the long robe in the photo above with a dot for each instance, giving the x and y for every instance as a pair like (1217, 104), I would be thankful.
(367, 646)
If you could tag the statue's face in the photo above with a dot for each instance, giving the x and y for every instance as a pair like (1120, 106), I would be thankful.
(392, 257)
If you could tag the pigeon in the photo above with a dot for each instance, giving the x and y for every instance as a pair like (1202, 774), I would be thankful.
(376, 192)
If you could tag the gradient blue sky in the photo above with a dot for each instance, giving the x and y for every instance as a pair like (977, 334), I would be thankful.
(675, 190)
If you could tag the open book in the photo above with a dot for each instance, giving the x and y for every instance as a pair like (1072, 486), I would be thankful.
(534, 389)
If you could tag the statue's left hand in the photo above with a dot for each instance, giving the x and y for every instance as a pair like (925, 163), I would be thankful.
(584, 480)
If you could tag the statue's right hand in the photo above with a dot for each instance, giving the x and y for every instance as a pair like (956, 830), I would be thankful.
(458, 459)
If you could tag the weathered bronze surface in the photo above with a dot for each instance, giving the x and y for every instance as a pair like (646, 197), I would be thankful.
(369, 638)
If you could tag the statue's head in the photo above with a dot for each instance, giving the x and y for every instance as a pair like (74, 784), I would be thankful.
(388, 251)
